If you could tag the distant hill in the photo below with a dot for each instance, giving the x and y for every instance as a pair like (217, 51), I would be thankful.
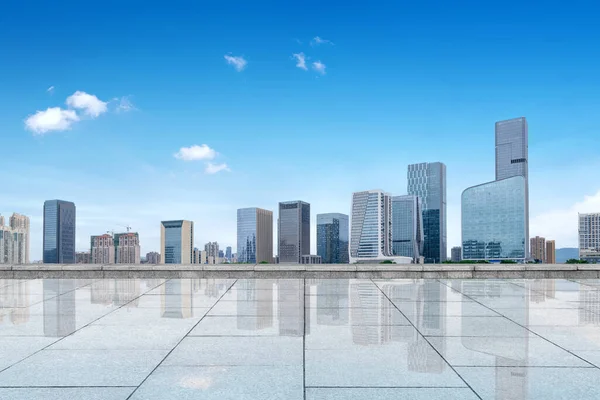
(565, 253)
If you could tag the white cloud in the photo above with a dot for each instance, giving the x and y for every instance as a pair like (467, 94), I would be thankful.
(562, 224)
(319, 67)
(300, 60)
(318, 41)
(124, 104)
(53, 119)
(195, 153)
(50, 90)
(239, 63)
(89, 103)
(214, 168)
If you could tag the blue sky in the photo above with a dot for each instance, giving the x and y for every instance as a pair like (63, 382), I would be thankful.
(135, 82)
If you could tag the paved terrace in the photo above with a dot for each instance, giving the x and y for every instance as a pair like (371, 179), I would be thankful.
(299, 271)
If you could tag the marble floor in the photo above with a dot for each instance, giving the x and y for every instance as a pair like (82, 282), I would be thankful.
(299, 339)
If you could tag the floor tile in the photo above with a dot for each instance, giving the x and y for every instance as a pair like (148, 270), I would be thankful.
(390, 394)
(95, 393)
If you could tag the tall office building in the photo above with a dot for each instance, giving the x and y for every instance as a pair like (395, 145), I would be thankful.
(512, 155)
(456, 254)
(293, 228)
(589, 237)
(494, 220)
(228, 253)
(428, 182)
(103, 249)
(127, 248)
(212, 252)
(20, 224)
(371, 228)
(407, 227)
(550, 252)
(254, 236)
(59, 232)
(177, 242)
(333, 238)
(538, 249)
(153, 258)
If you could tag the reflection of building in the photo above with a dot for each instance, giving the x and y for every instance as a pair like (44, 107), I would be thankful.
(59, 232)
(494, 222)
(407, 227)
(293, 228)
(537, 247)
(589, 310)
(291, 310)
(116, 291)
(153, 258)
(176, 299)
(550, 252)
(254, 236)
(428, 182)
(332, 301)
(59, 309)
(371, 230)
(332, 238)
(254, 304)
(456, 254)
(127, 248)
(103, 249)
(589, 237)
(14, 301)
(177, 242)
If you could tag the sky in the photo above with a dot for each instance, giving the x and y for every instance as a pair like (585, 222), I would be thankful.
(142, 111)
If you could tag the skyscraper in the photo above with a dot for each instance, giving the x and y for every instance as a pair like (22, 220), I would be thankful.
(371, 229)
(212, 252)
(153, 258)
(228, 253)
(177, 242)
(103, 249)
(550, 252)
(293, 227)
(589, 237)
(254, 236)
(14, 240)
(407, 227)
(538, 248)
(332, 238)
(20, 224)
(456, 254)
(127, 248)
(428, 182)
(512, 155)
(59, 232)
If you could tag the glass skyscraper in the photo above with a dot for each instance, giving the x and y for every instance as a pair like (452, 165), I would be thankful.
(494, 225)
(407, 227)
(177, 242)
(59, 232)
(332, 238)
(254, 235)
(428, 182)
(293, 226)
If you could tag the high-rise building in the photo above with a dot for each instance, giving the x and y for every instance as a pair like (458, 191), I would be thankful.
(127, 248)
(371, 228)
(212, 251)
(103, 249)
(428, 182)
(59, 232)
(537, 247)
(293, 228)
(456, 254)
(254, 235)
(407, 227)
(177, 242)
(550, 252)
(494, 220)
(512, 155)
(228, 253)
(589, 237)
(82, 257)
(199, 256)
(153, 258)
(333, 238)
(20, 224)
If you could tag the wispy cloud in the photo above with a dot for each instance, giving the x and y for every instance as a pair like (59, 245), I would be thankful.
(90, 104)
(124, 104)
(319, 67)
(239, 63)
(214, 168)
(50, 90)
(316, 41)
(300, 60)
(52, 119)
(195, 153)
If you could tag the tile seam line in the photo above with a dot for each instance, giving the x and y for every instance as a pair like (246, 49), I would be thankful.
(524, 327)
(77, 330)
(429, 343)
(179, 342)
